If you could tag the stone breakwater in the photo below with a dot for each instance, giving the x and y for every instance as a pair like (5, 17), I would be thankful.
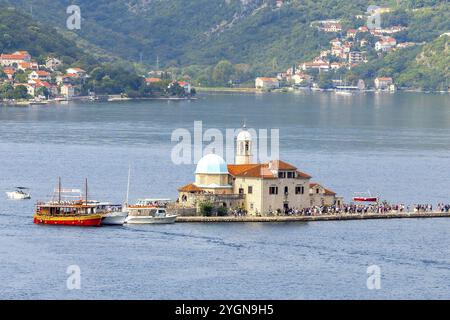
(334, 217)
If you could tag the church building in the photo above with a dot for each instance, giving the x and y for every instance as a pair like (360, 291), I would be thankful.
(257, 188)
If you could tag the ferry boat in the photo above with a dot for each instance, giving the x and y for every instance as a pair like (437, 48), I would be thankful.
(150, 211)
(78, 212)
(19, 194)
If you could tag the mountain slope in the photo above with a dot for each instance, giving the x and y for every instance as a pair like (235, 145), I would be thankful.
(19, 32)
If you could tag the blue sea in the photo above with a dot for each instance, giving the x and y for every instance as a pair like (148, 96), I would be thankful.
(395, 145)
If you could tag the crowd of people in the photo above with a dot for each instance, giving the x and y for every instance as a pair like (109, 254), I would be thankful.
(378, 208)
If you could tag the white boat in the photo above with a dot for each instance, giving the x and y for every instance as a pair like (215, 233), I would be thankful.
(343, 92)
(150, 211)
(19, 194)
(114, 218)
(113, 214)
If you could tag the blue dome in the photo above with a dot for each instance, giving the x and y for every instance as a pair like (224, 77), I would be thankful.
(211, 164)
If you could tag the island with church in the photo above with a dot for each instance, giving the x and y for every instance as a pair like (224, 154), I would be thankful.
(250, 188)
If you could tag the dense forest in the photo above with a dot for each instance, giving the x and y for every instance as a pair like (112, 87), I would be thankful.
(221, 41)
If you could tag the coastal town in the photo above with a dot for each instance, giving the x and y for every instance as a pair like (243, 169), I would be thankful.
(349, 49)
(25, 81)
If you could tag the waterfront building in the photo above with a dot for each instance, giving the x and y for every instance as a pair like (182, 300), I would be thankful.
(257, 188)
(266, 83)
(383, 83)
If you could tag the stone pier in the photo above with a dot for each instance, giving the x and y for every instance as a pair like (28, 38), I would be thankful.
(334, 217)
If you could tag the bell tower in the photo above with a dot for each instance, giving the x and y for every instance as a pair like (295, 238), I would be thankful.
(244, 147)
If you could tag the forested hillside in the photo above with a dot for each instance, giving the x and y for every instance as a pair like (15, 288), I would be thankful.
(254, 36)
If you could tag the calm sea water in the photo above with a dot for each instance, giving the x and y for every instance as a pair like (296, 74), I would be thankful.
(397, 146)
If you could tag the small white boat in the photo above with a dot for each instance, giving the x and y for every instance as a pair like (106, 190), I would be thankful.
(19, 194)
(343, 92)
(113, 214)
(150, 211)
(114, 218)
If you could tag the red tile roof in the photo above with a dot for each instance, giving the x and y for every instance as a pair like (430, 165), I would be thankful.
(189, 188)
(328, 192)
(13, 56)
(152, 80)
(262, 170)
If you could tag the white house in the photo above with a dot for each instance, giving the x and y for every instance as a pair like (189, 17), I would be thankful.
(266, 83)
(67, 90)
(39, 74)
(383, 83)
(80, 73)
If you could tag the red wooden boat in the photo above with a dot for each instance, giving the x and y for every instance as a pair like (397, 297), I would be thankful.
(80, 212)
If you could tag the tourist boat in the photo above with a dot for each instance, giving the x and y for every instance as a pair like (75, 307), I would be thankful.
(364, 197)
(150, 211)
(19, 194)
(70, 212)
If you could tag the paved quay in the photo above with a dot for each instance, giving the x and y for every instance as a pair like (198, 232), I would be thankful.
(334, 217)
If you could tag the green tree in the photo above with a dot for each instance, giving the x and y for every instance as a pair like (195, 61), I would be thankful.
(222, 73)
(42, 91)
(222, 211)
(325, 80)
(206, 209)
(20, 92)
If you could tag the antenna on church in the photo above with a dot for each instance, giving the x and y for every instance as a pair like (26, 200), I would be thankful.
(244, 125)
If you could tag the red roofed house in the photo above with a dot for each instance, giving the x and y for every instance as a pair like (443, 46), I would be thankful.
(152, 80)
(383, 83)
(257, 188)
(319, 64)
(10, 72)
(185, 85)
(39, 74)
(331, 27)
(24, 66)
(351, 33)
(80, 73)
(10, 60)
(385, 44)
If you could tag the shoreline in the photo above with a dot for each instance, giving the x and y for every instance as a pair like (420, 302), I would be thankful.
(335, 217)
(304, 89)
(201, 90)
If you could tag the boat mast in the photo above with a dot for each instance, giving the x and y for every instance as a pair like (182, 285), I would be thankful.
(59, 190)
(86, 195)
(128, 185)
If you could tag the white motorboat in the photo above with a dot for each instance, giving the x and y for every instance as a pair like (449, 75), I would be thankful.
(114, 218)
(150, 211)
(19, 194)
(112, 215)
